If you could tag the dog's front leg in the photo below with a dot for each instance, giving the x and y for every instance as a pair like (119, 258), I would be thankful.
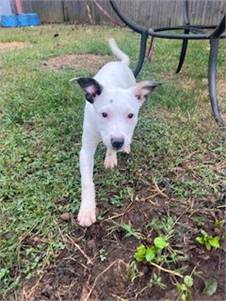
(87, 212)
(110, 159)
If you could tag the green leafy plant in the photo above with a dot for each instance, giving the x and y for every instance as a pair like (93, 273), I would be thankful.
(161, 242)
(149, 254)
(140, 253)
(184, 288)
(208, 241)
(159, 254)
(210, 287)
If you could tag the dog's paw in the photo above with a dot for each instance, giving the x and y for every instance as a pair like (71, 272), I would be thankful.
(110, 161)
(127, 149)
(86, 217)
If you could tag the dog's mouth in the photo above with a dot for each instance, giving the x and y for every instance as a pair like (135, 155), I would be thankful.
(124, 149)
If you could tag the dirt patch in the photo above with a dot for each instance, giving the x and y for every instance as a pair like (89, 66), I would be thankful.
(221, 88)
(96, 262)
(12, 45)
(87, 62)
(187, 83)
(221, 95)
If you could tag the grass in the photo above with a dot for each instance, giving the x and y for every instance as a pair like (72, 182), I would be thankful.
(41, 121)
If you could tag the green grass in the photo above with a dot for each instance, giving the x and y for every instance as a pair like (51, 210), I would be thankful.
(41, 123)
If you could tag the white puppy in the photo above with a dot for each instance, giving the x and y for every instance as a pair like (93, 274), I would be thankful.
(111, 113)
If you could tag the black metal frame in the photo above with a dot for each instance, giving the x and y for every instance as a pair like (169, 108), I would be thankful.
(191, 32)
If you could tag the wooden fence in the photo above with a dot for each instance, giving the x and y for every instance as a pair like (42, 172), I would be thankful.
(146, 12)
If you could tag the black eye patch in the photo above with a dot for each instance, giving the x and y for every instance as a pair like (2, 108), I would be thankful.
(90, 97)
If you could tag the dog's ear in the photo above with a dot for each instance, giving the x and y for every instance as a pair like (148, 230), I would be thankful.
(142, 89)
(90, 86)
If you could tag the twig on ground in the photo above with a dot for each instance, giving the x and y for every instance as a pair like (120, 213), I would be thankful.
(141, 291)
(101, 274)
(118, 297)
(160, 191)
(149, 198)
(79, 248)
(73, 242)
(180, 216)
(166, 270)
(77, 261)
(118, 215)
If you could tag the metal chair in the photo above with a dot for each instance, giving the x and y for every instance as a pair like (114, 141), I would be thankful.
(191, 32)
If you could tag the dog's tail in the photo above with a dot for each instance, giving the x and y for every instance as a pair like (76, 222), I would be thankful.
(118, 52)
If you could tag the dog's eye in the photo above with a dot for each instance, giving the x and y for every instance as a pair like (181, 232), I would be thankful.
(130, 115)
(104, 114)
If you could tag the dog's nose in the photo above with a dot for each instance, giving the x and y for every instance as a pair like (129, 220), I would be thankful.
(117, 143)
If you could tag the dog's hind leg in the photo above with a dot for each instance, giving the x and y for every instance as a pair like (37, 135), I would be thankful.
(110, 159)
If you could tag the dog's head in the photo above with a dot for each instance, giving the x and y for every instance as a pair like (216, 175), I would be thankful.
(116, 109)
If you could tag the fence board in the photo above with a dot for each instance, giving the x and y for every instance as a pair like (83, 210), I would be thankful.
(49, 11)
(150, 13)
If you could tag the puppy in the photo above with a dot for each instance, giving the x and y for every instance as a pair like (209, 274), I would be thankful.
(113, 101)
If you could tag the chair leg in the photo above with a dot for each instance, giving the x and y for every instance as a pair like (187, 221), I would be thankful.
(183, 52)
(212, 80)
(186, 31)
(143, 45)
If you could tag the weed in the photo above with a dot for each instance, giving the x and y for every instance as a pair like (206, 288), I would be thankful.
(211, 286)
(184, 288)
(153, 252)
(156, 280)
(133, 271)
(140, 253)
(103, 254)
(130, 231)
(165, 225)
(208, 241)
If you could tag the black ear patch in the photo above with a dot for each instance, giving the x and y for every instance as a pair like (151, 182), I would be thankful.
(91, 87)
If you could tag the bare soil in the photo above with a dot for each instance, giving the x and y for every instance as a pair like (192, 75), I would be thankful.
(4, 46)
(87, 62)
(94, 263)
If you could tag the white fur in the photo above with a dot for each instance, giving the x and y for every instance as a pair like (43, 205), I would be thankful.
(118, 53)
(120, 96)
